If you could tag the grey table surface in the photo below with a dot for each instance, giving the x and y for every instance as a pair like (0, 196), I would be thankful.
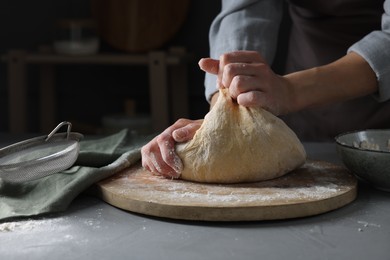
(92, 229)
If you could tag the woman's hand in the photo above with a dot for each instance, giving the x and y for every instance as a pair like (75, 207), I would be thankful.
(251, 81)
(159, 156)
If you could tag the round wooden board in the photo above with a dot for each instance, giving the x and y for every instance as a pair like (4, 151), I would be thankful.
(315, 188)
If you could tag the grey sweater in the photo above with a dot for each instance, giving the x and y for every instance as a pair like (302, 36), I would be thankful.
(254, 25)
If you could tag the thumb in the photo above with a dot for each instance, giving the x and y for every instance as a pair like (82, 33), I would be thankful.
(209, 65)
(187, 132)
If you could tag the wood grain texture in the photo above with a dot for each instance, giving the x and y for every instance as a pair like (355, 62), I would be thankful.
(315, 188)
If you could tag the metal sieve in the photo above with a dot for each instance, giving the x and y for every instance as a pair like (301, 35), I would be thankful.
(41, 156)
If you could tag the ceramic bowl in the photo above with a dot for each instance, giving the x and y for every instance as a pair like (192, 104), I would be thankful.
(367, 155)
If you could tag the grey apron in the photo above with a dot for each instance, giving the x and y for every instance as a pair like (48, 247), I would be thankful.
(321, 32)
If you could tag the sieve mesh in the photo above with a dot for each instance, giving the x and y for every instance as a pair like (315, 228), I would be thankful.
(39, 157)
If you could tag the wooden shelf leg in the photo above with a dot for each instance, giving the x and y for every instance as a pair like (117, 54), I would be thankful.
(158, 90)
(47, 98)
(17, 91)
(178, 75)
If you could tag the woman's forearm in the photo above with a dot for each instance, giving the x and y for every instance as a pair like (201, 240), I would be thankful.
(347, 78)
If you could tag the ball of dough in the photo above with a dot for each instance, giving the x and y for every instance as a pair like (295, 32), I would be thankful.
(239, 144)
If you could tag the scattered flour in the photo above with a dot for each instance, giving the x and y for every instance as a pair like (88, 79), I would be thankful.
(315, 182)
(27, 225)
(51, 224)
(367, 224)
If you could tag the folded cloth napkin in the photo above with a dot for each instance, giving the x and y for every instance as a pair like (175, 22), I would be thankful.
(97, 160)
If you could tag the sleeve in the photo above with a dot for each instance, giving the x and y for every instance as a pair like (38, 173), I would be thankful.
(244, 25)
(375, 49)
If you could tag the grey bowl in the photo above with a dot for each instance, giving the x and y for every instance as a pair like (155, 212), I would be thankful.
(372, 166)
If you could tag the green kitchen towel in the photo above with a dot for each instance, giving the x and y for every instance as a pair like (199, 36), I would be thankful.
(97, 160)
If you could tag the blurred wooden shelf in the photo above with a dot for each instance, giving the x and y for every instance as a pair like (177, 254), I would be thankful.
(101, 58)
(167, 83)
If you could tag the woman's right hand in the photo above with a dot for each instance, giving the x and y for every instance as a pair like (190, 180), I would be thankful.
(251, 82)
(159, 156)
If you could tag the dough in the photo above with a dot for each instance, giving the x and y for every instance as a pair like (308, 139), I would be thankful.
(239, 144)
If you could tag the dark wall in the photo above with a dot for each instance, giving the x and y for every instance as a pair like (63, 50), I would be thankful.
(87, 93)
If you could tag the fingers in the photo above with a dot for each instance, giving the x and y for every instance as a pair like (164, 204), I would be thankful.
(187, 132)
(241, 57)
(250, 99)
(209, 65)
(241, 77)
(240, 70)
(159, 155)
(153, 161)
(254, 98)
(230, 64)
(249, 80)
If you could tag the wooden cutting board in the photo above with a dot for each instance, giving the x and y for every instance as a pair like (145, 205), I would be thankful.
(315, 188)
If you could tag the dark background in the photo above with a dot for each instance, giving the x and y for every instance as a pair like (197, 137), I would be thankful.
(87, 93)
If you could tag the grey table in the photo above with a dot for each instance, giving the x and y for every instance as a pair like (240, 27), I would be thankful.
(92, 229)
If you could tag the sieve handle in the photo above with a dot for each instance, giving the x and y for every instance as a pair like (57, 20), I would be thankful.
(58, 127)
